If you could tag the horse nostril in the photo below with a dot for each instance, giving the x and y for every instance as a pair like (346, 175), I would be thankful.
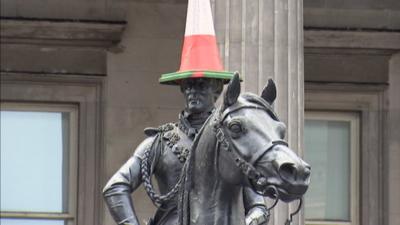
(307, 172)
(288, 171)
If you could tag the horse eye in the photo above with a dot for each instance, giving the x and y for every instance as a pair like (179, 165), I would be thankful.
(236, 127)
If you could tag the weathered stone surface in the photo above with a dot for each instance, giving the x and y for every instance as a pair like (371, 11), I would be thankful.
(59, 9)
(314, 38)
(367, 14)
(52, 59)
(150, 46)
(393, 145)
(341, 66)
(47, 31)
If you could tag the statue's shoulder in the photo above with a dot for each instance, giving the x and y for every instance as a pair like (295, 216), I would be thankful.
(152, 134)
(152, 131)
(169, 134)
(143, 146)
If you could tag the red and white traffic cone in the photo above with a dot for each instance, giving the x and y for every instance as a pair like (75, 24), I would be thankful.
(200, 56)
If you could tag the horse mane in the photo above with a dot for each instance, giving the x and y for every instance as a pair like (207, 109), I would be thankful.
(184, 191)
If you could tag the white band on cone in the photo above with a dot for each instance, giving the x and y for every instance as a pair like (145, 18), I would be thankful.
(199, 19)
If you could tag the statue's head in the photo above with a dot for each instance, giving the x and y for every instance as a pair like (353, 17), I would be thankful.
(200, 93)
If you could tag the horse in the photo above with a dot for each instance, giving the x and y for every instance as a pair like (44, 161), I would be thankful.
(241, 144)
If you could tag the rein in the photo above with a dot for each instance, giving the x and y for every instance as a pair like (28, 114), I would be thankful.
(290, 219)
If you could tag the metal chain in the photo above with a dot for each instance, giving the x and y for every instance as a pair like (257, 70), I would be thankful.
(157, 199)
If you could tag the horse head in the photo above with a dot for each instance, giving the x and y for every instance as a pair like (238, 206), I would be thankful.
(253, 137)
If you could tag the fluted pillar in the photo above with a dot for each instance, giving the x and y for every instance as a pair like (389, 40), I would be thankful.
(264, 39)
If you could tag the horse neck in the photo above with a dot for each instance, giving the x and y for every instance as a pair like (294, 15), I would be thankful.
(212, 200)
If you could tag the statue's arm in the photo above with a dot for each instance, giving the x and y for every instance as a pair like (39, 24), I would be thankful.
(255, 208)
(117, 192)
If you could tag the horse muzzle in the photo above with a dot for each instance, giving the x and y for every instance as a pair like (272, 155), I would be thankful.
(295, 179)
(285, 172)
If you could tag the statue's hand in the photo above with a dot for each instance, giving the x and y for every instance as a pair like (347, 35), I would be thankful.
(257, 216)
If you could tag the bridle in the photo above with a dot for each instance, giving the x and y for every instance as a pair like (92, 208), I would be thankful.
(276, 199)
(247, 168)
(257, 180)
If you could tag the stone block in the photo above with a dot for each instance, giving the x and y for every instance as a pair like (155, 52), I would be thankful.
(140, 89)
(8, 8)
(314, 3)
(53, 59)
(353, 68)
(352, 18)
(59, 9)
(154, 54)
(156, 21)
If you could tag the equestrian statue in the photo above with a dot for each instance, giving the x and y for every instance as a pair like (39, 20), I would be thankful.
(215, 165)
(163, 154)
(212, 159)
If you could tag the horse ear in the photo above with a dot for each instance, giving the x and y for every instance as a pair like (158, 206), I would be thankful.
(233, 91)
(269, 92)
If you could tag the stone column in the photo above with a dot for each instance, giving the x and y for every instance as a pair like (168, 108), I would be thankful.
(392, 211)
(264, 39)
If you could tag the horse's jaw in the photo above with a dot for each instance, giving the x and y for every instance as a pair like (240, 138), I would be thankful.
(286, 196)
(287, 176)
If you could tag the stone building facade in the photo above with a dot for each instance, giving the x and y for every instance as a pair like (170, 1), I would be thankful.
(105, 57)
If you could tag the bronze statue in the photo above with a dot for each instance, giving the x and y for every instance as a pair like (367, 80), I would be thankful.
(163, 154)
(238, 148)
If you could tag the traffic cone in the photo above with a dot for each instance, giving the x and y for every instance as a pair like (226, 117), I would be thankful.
(200, 56)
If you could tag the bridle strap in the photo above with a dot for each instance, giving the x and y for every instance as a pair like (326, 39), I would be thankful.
(268, 147)
(290, 219)
(276, 200)
(247, 168)
(269, 110)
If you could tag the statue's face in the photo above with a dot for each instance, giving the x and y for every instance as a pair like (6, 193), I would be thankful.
(199, 95)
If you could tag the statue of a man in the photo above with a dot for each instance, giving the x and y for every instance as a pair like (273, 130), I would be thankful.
(165, 152)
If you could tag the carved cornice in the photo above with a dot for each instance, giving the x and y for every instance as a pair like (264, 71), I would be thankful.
(71, 33)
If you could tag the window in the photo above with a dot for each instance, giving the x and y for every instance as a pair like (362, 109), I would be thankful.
(80, 97)
(38, 164)
(332, 142)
